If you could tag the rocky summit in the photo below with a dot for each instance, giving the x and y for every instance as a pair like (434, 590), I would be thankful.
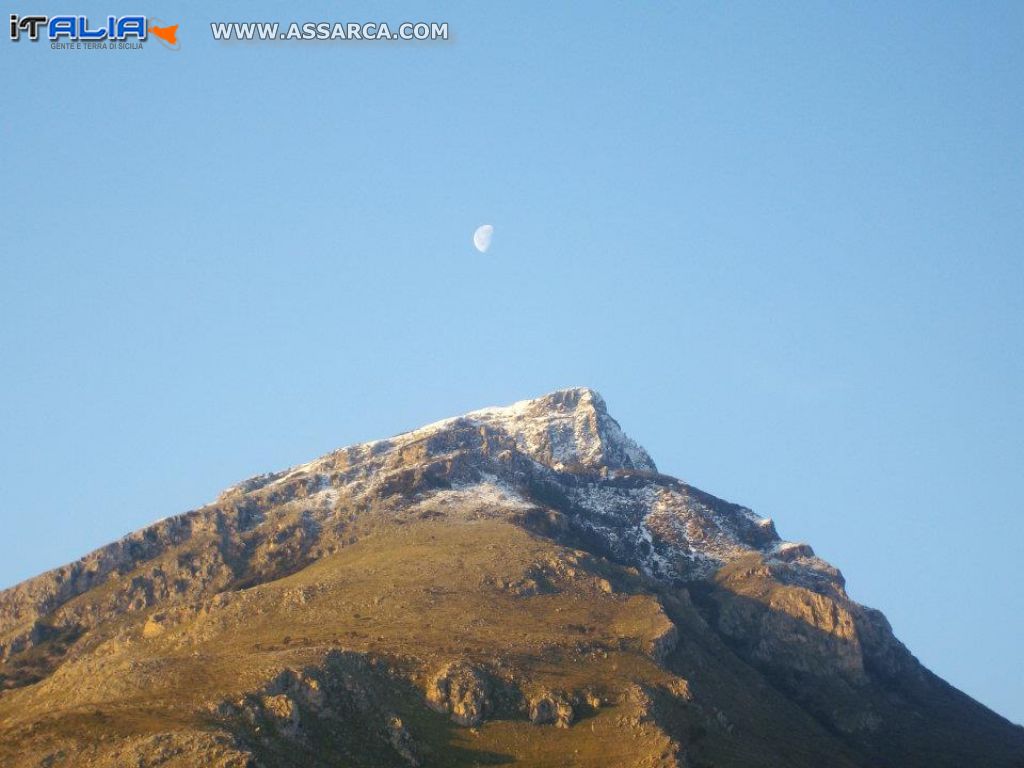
(516, 586)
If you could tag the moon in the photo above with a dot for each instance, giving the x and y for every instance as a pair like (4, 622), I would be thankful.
(482, 237)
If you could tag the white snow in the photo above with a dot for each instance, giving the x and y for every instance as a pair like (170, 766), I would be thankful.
(667, 530)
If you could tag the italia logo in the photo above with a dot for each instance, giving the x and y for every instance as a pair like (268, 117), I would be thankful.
(80, 29)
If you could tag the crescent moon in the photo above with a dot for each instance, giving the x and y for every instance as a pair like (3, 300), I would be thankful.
(482, 237)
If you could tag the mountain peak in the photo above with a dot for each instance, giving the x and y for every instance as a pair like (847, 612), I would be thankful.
(568, 428)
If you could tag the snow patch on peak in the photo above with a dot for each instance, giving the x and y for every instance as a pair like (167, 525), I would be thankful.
(566, 429)
(490, 495)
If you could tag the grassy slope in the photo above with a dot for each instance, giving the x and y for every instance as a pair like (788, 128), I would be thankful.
(539, 616)
(418, 596)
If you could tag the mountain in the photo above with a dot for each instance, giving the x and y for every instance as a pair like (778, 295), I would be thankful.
(516, 586)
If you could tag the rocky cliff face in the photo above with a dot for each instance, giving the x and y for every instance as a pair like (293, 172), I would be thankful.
(730, 610)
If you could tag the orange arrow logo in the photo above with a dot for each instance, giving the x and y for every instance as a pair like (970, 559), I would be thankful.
(168, 34)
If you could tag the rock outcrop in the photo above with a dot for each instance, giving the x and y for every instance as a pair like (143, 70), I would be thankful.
(463, 691)
(551, 707)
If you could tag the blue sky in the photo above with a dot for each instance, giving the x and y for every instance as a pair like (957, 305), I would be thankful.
(784, 242)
